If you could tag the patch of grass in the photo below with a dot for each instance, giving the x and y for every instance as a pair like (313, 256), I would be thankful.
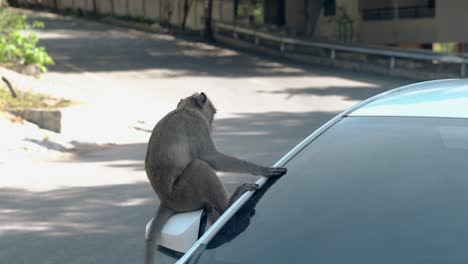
(28, 100)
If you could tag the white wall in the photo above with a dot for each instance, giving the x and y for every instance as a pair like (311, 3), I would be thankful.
(104, 7)
(150, 9)
(135, 8)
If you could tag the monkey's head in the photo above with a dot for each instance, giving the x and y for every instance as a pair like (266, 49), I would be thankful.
(199, 102)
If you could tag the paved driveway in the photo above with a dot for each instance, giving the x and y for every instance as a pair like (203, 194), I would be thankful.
(93, 208)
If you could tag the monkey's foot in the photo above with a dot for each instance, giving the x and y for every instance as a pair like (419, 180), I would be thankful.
(274, 172)
(245, 187)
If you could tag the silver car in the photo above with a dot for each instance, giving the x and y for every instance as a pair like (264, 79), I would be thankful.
(384, 182)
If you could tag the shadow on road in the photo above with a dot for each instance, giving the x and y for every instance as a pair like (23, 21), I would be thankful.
(75, 225)
(350, 93)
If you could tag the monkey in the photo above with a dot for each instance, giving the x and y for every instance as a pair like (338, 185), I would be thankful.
(181, 163)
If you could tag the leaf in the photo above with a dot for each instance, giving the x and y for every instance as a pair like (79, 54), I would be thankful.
(17, 46)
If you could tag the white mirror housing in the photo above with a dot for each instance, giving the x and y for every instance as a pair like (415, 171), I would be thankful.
(180, 232)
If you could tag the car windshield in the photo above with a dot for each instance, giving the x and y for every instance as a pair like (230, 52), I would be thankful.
(368, 190)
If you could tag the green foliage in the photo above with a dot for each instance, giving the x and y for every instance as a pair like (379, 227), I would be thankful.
(251, 8)
(447, 47)
(17, 44)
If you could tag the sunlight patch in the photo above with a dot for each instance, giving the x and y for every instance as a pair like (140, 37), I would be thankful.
(134, 202)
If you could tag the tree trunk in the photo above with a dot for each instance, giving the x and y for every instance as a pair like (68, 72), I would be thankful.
(208, 32)
(10, 87)
(187, 5)
(95, 7)
(167, 13)
(236, 6)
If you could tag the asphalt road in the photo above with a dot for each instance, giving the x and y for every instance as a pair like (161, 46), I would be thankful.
(93, 207)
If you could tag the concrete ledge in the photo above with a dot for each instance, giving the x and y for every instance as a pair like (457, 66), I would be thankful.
(44, 118)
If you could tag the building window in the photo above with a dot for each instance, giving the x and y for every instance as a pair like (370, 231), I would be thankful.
(425, 9)
(431, 3)
(329, 7)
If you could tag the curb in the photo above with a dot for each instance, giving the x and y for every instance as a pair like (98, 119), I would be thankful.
(44, 118)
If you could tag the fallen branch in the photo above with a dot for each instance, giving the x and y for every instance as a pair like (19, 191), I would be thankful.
(12, 91)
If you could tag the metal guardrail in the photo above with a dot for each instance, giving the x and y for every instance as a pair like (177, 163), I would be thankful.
(391, 53)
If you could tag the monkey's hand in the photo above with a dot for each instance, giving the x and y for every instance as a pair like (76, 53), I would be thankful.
(274, 172)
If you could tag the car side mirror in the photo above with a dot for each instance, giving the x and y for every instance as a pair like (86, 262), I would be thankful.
(181, 231)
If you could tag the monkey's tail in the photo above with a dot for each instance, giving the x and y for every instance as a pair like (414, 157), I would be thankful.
(162, 215)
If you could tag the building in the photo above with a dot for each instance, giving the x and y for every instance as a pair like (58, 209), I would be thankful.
(296, 17)
(404, 23)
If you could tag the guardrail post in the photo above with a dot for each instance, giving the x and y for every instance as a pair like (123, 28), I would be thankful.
(463, 70)
(333, 54)
(392, 62)
(282, 48)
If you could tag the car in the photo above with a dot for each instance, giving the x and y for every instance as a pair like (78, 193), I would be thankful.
(383, 182)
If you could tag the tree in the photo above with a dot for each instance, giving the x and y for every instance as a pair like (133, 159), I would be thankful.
(168, 8)
(187, 5)
(208, 33)
(95, 11)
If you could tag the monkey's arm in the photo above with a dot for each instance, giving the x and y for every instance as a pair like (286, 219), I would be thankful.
(222, 162)
(207, 151)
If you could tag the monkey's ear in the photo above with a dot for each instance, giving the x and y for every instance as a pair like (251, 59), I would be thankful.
(200, 100)
(203, 97)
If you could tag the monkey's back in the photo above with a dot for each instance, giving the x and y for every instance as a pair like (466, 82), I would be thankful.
(169, 149)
